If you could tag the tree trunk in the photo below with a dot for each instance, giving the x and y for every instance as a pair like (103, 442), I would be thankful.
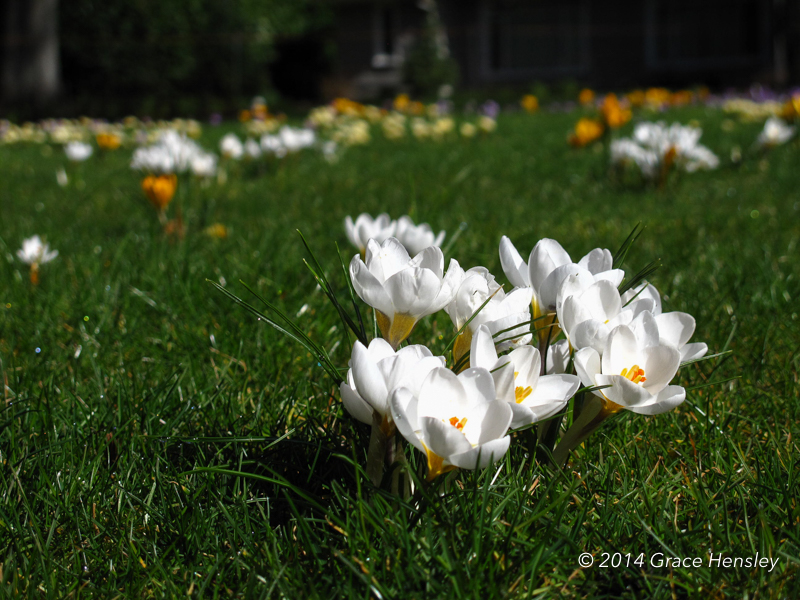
(31, 68)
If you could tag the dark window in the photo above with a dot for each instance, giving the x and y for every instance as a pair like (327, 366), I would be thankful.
(525, 37)
(709, 33)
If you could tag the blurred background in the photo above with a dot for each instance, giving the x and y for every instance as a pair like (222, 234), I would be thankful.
(166, 58)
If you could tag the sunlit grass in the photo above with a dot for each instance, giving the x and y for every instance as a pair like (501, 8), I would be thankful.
(157, 440)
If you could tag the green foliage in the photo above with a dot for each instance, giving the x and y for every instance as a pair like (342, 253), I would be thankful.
(166, 49)
(427, 66)
(162, 442)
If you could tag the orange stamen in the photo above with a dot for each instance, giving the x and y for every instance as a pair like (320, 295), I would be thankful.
(635, 374)
(458, 424)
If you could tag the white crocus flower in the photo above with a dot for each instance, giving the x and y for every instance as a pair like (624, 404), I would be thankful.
(636, 366)
(588, 311)
(502, 312)
(455, 420)
(626, 150)
(547, 268)
(366, 228)
(35, 252)
(204, 165)
(558, 356)
(78, 151)
(674, 328)
(775, 133)
(416, 237)
(295, 139)
(273, 145)
(61, 177)
(252, 149)
(531, 396)
(402, 290)
(231, 146)
(678, 144)
(172, 152)
(376, 371)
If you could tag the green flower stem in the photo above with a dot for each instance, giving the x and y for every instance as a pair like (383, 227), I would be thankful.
(376, 455)
(593, 413)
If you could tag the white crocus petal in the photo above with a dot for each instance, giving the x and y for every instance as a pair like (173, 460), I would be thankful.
(645, 328)
(693, 351)
(589, 334)
(386, 258)
(365, 228)
(588, 366)
(369, 288)
(430, 258)
(644, 290)
(412, 290)
(231, 146)
(485, 454)
(448, 288)
(667, 399)
(454, 419)
(78, 151)
(376, 371)
(615, 276)
(515, 268)
(442, 438)
(482, 350)
(506, 313)
(775, 132)
(635, 375)
(355, 404)
(597, 261)
(369, 380)
(675, 328)
(660, 365)
(623, 391)
(416, 237)
(518, 383)
(557, 358)
(404, 404)
(547, 255)
(34, 251)
(551, 286)
(443, 396)
(552, 392)
(621, 351)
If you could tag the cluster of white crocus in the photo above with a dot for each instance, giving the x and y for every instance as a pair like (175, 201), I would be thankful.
(621, 346)
(775, 133)
(655, 148)
(285, 141)
(289, 140)
(174, 152)
(415, 238)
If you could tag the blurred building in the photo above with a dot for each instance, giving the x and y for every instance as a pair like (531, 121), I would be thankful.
(613, 43)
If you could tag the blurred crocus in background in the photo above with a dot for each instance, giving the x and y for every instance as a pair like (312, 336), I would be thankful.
(34, 252)
(77, 151)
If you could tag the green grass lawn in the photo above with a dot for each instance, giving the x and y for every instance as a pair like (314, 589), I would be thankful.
(158, 441)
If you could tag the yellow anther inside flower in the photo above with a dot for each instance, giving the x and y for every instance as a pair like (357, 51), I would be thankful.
(458, 424)
(635, 374)
(520, 393)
